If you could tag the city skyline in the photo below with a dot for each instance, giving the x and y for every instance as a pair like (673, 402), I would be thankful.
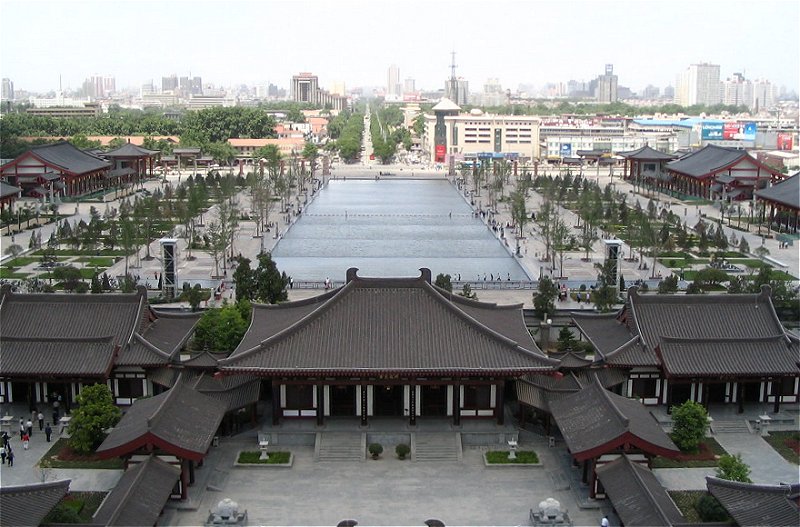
(349, 42)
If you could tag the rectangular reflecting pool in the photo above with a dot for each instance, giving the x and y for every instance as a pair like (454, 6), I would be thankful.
(392, 228)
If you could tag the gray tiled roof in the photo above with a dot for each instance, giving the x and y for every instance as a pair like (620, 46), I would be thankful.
(181, 421)
(170, 331)
(753, 505)
(140, 495)
(605, 332)
(776, 355)
(786, 192)
(726, 316)
(646, 154)
(389, 325)
(142, 353)
(708, 159)
(596, 419)
(130, 150)
(8, 190)
(35, 357)
(28, 504)
(70, 316)
(637, 496)
(235, 391)
(69, 158)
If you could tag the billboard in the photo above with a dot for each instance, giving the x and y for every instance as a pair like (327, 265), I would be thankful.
(441, 150)
(785, 141)
(735, 131)
(711, 131)
(566, 150)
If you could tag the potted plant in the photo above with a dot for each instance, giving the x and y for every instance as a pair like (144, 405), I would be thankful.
(375, 449)
(402, 450)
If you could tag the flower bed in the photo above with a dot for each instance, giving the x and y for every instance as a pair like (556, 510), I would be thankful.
(276, 459)
(706, 456)
(500, 457)
(61, 455)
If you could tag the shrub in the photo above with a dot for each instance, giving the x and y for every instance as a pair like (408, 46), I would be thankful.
(689, 424)
(402, 450)
(375, 449)
(710, 510)
(96, 412)
(731, 467)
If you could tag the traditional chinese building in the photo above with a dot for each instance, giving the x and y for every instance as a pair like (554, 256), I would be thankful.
(783, 200)
(646, 165)
(705, 348)
(131, 164)
(387, 347)
(56, 169)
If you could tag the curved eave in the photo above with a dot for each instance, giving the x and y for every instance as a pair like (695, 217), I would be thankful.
(369, 372)
(626, 440)
(150, 440)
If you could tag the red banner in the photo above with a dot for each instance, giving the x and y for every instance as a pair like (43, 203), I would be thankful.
(440, 153)
(785, 141)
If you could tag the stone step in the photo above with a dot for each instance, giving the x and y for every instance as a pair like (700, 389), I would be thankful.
(437, 447)
(730, 427)
(335, 446)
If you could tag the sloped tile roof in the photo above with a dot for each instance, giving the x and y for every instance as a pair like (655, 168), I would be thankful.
(181, 421)
(707, 160)
(605, 332)
(777, 355)
(130, 150)
(142, 353)
(389, 325)
(753, 505)
(646, 154)
(204, 359)
(8, 190)
(594, 421)
(446, 104)
(140, 495)
(170, 331)
(43, 357)
(29, 504)
(70, 316)
(69, 158)
(235, 391)
(637, 496)
(787, 192)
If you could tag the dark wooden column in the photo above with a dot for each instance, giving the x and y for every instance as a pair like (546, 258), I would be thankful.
(499, 403)
(320, 404)
(740, 396)
(184, 479)
(191, 472)
(276, 403)
(776, 392)
(412, 405)
(457, 404)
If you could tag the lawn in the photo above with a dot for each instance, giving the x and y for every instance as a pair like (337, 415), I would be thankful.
(685, 500)
(706, 457)
(75, 507)
(786, 444)
(524, 457)
(61, 455)
(9, 274)
(275, 458)
(94, 261)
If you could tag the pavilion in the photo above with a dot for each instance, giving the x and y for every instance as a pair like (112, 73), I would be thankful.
(598, 425)
(391, 347)
(716, 172)
(56, 169)
(783, 200)
(131, 164)
(180, 423)
(646, 165)
(706, 348)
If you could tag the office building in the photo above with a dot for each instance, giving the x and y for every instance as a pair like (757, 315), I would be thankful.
(393, 87)
(409, 86)
(698, 84)
(8, 90)
(305, 88)
(169, 84)
(606, 91)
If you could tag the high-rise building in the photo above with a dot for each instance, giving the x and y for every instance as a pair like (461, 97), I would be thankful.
(393, 87)
(607, 86)
(196, 86)
(698, 84)
(305, 88)
(737, 91)
(409, 86)
(650, 92)
(7, 90)
(147, 89)
(169, 83)
(764, 95)
(669, 93)
(99, 86)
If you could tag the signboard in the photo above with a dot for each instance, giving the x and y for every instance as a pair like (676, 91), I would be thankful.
(712, 131)
(440, 153)
(785, 141)
(566, 150)
(735, 131)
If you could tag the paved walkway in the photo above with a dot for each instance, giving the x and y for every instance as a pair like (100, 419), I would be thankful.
(767, 465)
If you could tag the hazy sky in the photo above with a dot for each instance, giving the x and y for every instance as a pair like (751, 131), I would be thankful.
(256, 42)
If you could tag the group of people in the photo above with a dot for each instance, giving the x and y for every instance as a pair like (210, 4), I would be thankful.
(6, 453)
(26, 433)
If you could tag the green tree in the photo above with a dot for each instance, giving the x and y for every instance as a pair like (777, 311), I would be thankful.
(544, 299)
(69, 276)
(711, 510)
(244, 279)
(732, 468)
(270, 283)
(220, 329)
(95, 413)
(668, 285)
(443, 281)
(566, 340)
(605, 294)
(194, 295)
(467, 292)
(689, 425)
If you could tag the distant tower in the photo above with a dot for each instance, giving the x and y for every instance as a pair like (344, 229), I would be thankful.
(613, 248)
(169, 270)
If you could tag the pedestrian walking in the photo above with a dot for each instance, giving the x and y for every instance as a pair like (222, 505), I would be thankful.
(29, 427)
(10, 458)
(48, 431)
(4, 437)
(41, 421)
(21, 428)
(25, 441)
(3, 454)
(604, 522)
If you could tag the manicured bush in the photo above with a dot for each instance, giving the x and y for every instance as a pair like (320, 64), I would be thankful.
(402, 450)
(710, 510)
(689, 425)
(731, 467)
(375, 450)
